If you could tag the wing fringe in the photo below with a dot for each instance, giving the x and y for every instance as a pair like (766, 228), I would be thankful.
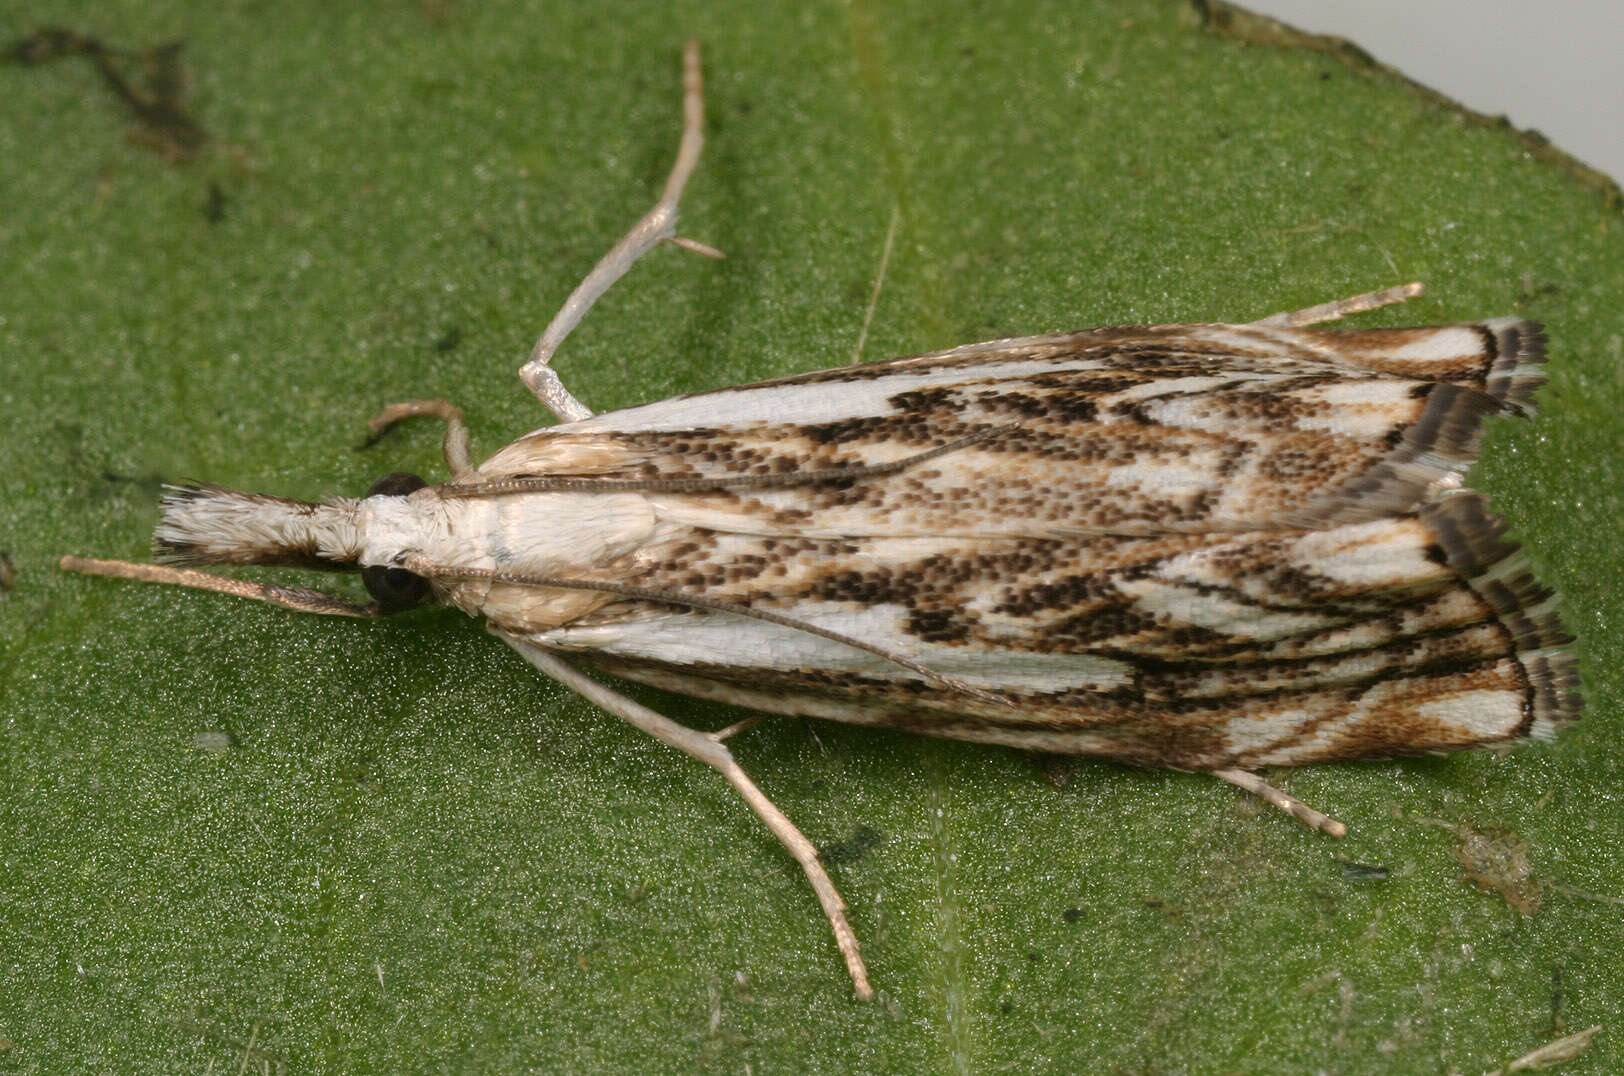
(1445, 439)
(1474, 543)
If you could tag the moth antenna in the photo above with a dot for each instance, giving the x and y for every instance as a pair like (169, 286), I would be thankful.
(552, 483)
(428, 570)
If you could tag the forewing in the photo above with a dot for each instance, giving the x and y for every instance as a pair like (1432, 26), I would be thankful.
(1140, 430)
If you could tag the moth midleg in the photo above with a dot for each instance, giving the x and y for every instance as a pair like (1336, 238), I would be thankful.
(456, 430)
(1341, 308)
(708, 748)
(1290, 804)
(658, 225)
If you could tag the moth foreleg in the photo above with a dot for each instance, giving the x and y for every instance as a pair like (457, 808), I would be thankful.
(708, 748)
(1341, 308)
(456, 430)
(658, 225)
(1290, 804)
(300, 598)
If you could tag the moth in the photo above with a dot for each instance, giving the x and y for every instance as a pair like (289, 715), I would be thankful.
(1210, 547)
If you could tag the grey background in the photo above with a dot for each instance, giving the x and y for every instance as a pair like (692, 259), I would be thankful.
(1556, 65)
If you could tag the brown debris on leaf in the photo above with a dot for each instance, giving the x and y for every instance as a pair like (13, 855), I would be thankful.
(159, 106)
(1552, 1053)
(1496, 861)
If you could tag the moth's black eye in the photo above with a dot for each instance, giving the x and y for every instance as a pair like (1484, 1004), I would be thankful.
(397, 484)
(394, 589)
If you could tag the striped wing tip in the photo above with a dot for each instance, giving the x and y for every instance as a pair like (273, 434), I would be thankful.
(1518, 369)
(1474, 543)
(1446, 436)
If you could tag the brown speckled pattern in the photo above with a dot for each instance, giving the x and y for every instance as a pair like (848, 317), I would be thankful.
(1237, 518)
(1194, 428)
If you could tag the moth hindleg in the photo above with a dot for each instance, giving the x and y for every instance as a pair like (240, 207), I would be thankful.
(1341, 308)
(658, 225)
(708, 748)
(1290, 804)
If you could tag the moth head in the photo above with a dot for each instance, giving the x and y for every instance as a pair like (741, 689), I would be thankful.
(395, 589)
(201, 523)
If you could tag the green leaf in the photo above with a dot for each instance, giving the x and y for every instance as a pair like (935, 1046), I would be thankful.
(234, 834)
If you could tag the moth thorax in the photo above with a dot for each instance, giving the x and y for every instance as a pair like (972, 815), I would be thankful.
(207, 524)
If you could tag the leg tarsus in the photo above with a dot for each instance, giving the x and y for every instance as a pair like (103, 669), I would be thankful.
(708, 749)
(806, 854)
(1290, 804)
(658, 225)
(1341, 308)
(456, 430)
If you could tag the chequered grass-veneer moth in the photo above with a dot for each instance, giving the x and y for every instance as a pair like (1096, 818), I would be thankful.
(1208, 547)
